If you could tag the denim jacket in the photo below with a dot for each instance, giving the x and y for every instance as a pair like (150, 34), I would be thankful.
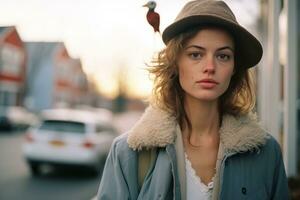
(249, 163)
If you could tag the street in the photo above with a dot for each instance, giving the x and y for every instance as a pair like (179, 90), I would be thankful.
(17, 183)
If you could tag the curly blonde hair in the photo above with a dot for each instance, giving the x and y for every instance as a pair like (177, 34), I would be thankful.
(168, 95)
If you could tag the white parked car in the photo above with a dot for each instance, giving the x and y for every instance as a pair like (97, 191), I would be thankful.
(68, 137)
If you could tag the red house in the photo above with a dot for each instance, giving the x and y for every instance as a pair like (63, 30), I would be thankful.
(79, 83)
(12, 67)
(71, 82)
(54, 77)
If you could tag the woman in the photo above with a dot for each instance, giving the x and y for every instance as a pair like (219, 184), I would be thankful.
(207, 144)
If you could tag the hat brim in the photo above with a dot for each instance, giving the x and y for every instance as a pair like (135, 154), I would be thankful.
(249, 48)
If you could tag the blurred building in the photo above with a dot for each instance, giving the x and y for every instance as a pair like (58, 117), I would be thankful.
(12, 67)
(54, 78)
(71, 84)
(278, 78)
(79, 83)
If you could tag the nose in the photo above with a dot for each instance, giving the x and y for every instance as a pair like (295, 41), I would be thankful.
(210, 65)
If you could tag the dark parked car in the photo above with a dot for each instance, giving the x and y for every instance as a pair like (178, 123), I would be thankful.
(14, 117)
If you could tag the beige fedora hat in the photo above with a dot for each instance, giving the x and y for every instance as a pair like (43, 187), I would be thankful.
(199, 13)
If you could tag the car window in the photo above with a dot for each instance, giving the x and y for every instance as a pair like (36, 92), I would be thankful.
(63, 126)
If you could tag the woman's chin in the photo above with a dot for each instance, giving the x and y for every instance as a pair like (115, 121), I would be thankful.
(205, 97)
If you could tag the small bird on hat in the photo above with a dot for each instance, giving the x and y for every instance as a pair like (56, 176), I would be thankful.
(152, 16)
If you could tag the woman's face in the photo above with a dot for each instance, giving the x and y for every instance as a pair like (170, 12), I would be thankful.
(206, 64)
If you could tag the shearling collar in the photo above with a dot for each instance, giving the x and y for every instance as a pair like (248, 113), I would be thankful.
(157, 128)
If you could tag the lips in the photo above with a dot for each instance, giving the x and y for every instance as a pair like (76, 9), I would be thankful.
(207, 83)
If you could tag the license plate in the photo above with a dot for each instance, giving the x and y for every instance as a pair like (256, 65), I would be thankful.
(57, 143)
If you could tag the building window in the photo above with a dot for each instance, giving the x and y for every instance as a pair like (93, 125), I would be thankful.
(11, 60)
(8, 98)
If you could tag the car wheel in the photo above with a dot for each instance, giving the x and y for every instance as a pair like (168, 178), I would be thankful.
(35, 169)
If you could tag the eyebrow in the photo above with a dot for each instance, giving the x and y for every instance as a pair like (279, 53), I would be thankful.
(202, 48)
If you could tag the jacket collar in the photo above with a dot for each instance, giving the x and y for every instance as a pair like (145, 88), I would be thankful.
(157, 128)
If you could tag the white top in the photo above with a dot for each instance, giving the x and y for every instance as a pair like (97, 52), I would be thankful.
(195, 188)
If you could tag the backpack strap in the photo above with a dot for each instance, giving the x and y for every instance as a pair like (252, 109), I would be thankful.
(146, 158)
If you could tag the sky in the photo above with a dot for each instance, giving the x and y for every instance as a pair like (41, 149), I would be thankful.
(107, 35)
